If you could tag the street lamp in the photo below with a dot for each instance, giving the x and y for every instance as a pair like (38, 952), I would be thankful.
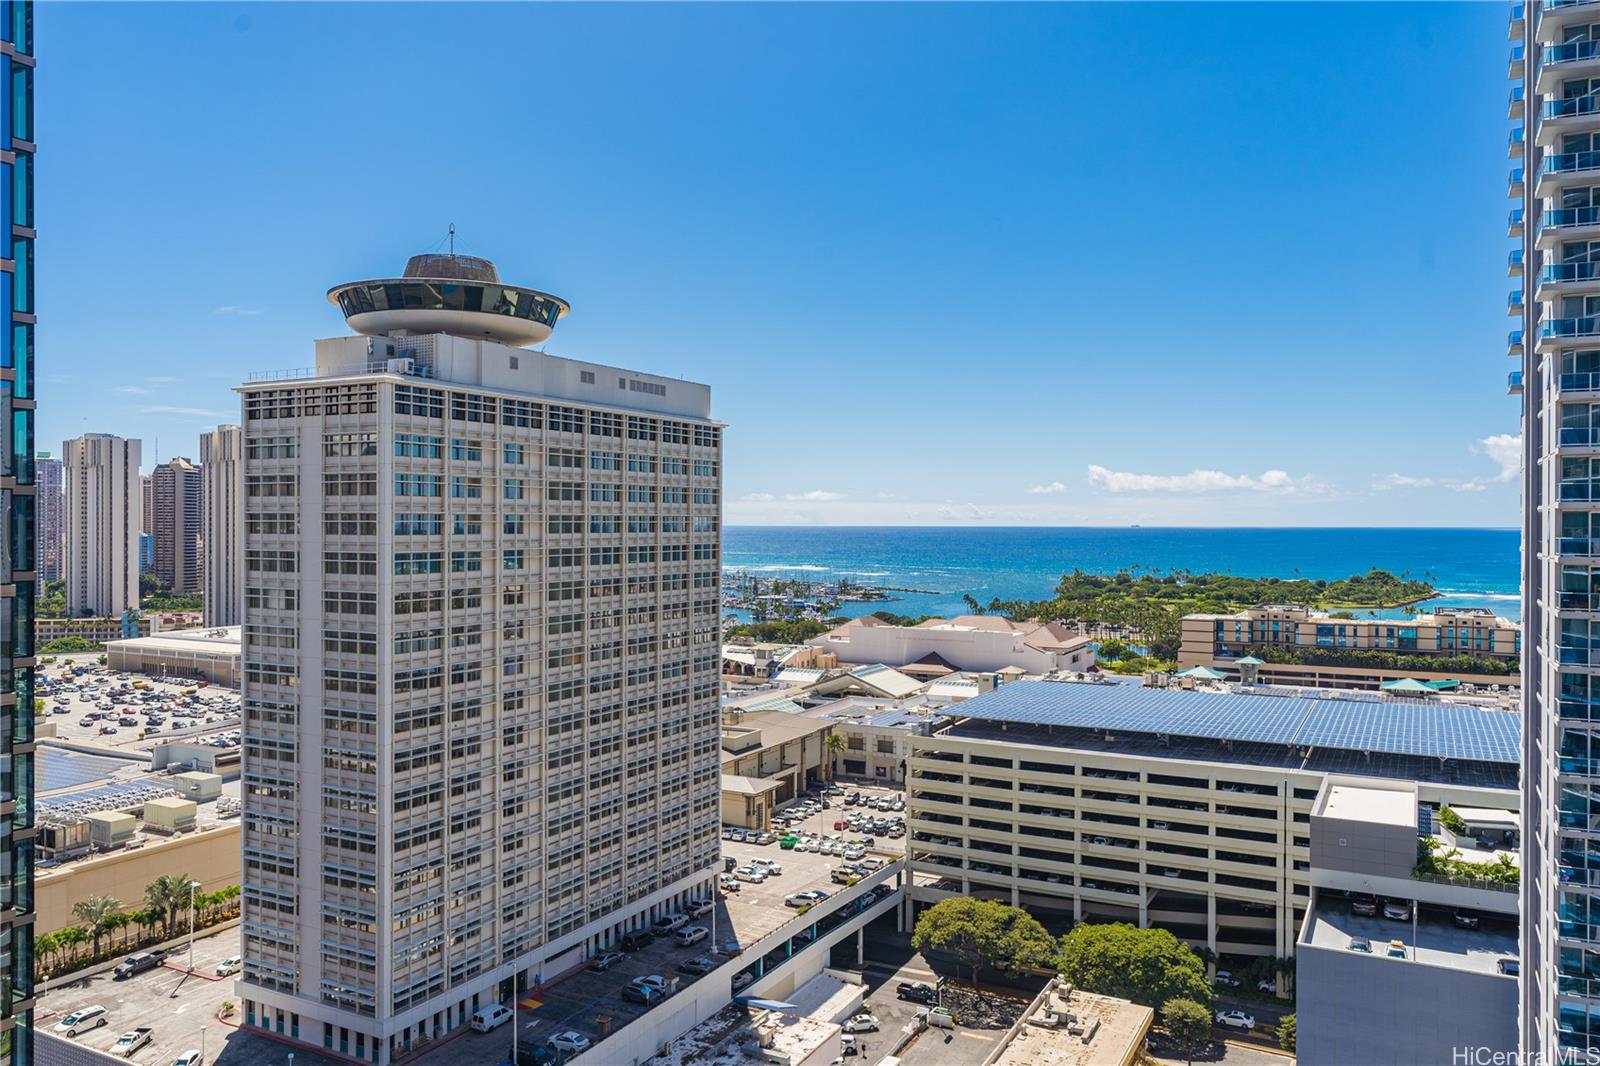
(202, 1046)
(193, 884)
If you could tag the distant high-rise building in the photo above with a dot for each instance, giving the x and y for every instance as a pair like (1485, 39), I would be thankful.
(18, 562)
(481, 661)
(101, 565)
(147, 506)
(222, 531)
(48, 504)
(175, 488)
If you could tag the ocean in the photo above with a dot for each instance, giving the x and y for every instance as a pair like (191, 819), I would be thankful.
(1470, 567)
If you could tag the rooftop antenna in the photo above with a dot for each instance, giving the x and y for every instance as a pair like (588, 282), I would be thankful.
(452, 240)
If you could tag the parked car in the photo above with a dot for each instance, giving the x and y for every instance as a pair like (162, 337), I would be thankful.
(228, 966)
(670, 923)
(772, 866)
(1361, 943)
(700, 964)
(132, 1041)
(644, 995)
(700, 907)
(1397, 910)
(691, 935)
(1267, 985)
(798, 899)
(1396, 949)
(1365, 906)
(135, 964)
(569, 1041)
(728, 883)
(916, 992)
(743, 980)
(1235, 1019)
(861, 1023)
(751, 874)
(1226, 978)
(82, 1019)
(605, 961)
(490, 1017)
(188, 1058)
(635, 941)
(1466, 920)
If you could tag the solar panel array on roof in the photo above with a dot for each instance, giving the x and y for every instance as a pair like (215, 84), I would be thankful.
(1424, 728)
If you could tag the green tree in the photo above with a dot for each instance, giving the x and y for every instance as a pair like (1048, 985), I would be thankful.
(1188, 1023)
(1111, 650)
(167, 895)
(1286, 1032)
(1148, 966)
(63, 645)
(97, 913)
(71, 938)
(835, 745)
(982, 932)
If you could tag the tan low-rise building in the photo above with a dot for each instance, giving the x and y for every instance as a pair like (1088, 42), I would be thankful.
(209, 854)
(208, 654)
(770, 754)
(1301, 646)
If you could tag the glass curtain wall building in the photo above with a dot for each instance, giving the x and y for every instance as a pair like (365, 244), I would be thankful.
(17, 583)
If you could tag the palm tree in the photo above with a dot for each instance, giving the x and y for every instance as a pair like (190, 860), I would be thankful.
(835, 745)
(168, 894)
(96, 912)
(46, 945)
(71, 937)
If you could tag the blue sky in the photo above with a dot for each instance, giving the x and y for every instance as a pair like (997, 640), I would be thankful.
(1209, 265)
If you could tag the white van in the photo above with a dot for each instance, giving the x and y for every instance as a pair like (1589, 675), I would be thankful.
(490, 1017)
(691, 935)
(82, 1020)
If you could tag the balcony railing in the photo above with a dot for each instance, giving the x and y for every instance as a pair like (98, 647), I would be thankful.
(1514, 222)
(1557, 5)
(1574, 52)
(1578, 656)
(1568, 162)
(1567, 217)
(1578, 382)
(1588, 987)
(1514, 382)
(1514, 300)
(1579, 436)
(1587, 326)
(1578, 546)
(1514, 341)
(1578, 601)
(1514, 260)
(1514, 182)
(1465, 882)
(1558, 273)
(1577, 105)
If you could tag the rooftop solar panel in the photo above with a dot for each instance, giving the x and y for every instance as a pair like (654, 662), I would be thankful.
(1421, 728)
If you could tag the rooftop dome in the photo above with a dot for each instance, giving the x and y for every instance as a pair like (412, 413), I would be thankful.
(461, 295)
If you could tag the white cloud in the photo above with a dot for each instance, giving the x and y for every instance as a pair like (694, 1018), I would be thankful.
(192, 412)
(758, 497)
(1200, 481)
(133, 390)
(965, 512)
(1054, 486)
(815, 496)
(1506, 451)
(234, 309)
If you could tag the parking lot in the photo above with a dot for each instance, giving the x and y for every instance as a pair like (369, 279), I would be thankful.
(174, 1005)
(102, 706)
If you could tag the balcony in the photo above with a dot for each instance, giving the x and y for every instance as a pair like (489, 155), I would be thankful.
(1578, 547)
(1514, 143)
(1556, 332)
(1514, 222)
(1516, 65)
(1514, 302)
(1564, 116)
(1514, 262)
(1559, 14)
(1558, 278)
(1563, 61)
(1518, 23)
(1514, 342)
(1578, 437)
(1516, 106)
(1514, 383)
(1566, 168)
(1587, 987)
(1575, 384)
(1514, 186)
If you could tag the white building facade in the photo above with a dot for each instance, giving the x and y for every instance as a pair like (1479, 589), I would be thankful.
(222, 524)
(101, 566)
(49, 478)
(481, 647)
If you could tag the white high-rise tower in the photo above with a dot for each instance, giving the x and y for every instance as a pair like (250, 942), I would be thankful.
(481, 661)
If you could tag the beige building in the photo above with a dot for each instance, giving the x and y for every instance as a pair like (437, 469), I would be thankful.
(101, 563)
(770, 753)
(1272, 632)
(968, 642)
(222, 524)
(209, 653)
(1187, 810)
(209, 854)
